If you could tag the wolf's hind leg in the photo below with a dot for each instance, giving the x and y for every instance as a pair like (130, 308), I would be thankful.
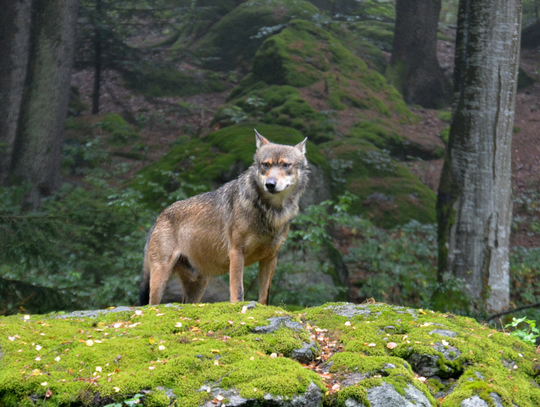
(160, 273)
(267, 267)
(193, 283)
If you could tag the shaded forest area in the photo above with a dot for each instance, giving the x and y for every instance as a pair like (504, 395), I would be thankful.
(163, 100)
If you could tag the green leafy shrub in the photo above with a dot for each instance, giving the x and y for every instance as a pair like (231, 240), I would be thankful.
(524, 329)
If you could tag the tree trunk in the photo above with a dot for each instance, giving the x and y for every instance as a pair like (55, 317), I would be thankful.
(474, 203)
(14, 44)
(97, 59)
(414, 69)
(38, 141)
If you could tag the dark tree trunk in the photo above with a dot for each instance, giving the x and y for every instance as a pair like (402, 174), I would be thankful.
(14, 42)
(414, 69)
(97, 60)
(474, 203)
(38, 141)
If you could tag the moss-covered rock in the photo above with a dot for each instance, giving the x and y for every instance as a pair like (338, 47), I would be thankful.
(196, 355)
(235, 38)
(303, 74)
(389, 193)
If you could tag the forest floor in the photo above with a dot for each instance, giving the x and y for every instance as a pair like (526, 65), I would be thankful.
(168, 120)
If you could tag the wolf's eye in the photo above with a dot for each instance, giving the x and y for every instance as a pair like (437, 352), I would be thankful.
(286, 166)
(265, 166)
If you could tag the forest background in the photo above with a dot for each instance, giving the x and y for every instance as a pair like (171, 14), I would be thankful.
(163, 101)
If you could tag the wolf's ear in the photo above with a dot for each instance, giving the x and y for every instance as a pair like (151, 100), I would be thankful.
(302, 146)
(261, 141)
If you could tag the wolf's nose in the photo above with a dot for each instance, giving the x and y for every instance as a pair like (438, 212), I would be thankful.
(270, 184)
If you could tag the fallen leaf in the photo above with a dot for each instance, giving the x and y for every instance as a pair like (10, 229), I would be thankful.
(391, 345)
(89, 342)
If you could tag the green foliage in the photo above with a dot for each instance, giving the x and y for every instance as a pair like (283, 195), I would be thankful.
(524, 329)
(93, 244)
(397, 266)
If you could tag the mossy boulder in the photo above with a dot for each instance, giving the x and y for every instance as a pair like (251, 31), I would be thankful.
(304, 76)
(282, 105)
(389, 193)
(235, 38)
(247, 354)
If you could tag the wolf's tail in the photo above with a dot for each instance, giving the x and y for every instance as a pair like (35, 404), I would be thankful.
(144, 290)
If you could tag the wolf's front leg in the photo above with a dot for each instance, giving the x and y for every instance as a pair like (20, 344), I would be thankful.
(236, 268)
(267, 267)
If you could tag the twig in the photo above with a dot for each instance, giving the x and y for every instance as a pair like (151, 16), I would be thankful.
(500, 314)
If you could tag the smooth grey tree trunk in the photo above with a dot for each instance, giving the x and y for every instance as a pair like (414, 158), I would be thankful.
(37, 148)
(14, 46)
(474, 204)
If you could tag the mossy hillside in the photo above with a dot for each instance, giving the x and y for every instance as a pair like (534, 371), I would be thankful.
(80, 359)
(209, 162)
(389, 194)
(166, 80)
(376, 335)
(196, 21)
(282, 105)
(305, 55)
(367, 40)
(235, 38)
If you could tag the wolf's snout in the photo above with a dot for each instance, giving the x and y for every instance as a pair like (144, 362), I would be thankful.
(270, 184)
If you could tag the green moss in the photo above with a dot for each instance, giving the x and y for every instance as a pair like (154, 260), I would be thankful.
(235, 38)
(389, 193)
(378, 33)
(183, 347)
(306, 55)
(130, 352)
(445, 116)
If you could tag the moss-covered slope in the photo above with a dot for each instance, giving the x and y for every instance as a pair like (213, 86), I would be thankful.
(235, 38)
(252, 355)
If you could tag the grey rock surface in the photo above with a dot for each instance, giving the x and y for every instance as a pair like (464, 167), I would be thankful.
(444, 332)
(350, 310)
(387, 396)
(275, 324)
(307, 353)
(424, 365)
(311, 398)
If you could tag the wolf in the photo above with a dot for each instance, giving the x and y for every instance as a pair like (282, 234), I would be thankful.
(245, 221)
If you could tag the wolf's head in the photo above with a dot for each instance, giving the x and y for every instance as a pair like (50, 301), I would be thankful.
(280, 169)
